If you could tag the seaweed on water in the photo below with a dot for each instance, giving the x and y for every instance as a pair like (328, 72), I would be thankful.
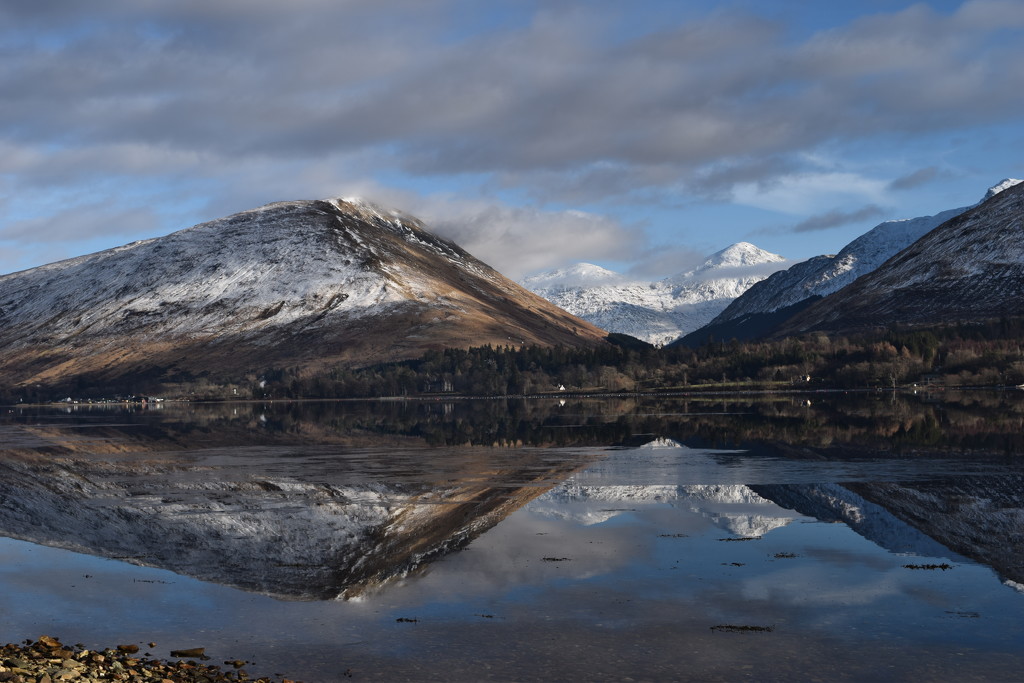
(734, 628)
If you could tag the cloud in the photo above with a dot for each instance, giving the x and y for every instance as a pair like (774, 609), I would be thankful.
(657, 262)
(80, 224)
(518, 241)
(803, 193)
(835, 218)
(556, 93)
(920, 177)
(233, 104)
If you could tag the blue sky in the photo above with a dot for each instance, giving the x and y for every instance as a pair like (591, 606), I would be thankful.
(639, 136)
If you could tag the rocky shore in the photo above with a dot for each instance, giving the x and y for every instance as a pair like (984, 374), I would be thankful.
(47, 660)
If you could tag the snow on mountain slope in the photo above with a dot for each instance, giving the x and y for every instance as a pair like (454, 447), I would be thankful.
(823, 275)
(306, 281)
(734, 508)
(835, 503)
(657, 312)
(969, 268)
(601, 494)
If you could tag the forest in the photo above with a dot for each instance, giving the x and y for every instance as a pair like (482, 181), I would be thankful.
(988, 354)
(959, 355)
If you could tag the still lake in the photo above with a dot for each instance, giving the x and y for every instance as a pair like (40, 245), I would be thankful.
(804, 537)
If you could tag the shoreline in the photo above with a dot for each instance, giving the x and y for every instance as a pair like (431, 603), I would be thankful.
(47, 660)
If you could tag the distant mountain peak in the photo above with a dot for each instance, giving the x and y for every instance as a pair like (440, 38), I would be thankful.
(657, 312)
(741, 254)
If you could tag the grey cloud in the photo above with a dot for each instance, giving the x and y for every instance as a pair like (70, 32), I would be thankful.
(717, 180)
(833, 219)
(656, 262)
(81, 223)
(245, 100)
(286, 82)
(922, 176)
(291, 81)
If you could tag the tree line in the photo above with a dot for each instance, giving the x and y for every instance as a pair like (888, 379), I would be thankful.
(983, 354)
(989, 354)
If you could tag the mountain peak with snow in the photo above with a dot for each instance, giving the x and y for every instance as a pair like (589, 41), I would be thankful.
(302, 283)
(970, 268)
(657, 312)
(741, 254)
(1004, 184)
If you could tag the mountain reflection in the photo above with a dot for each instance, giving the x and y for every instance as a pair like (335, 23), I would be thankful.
(309, 523)
(329, 500)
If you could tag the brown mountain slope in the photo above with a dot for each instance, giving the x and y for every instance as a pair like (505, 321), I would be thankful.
(303, 284)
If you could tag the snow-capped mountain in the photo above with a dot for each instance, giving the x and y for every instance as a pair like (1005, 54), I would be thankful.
(969, 268)
(302, 282)
(786, 291)
(658, 312)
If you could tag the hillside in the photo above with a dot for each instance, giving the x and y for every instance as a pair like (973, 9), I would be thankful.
(970, 268)
(770, 302)
(304, 283)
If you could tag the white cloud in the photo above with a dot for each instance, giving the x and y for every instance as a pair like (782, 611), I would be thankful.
(811, 193)
(517, 240)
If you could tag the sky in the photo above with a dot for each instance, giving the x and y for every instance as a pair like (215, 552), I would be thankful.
(640, 136)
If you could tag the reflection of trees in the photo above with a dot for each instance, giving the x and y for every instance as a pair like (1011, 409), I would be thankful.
(989, 422)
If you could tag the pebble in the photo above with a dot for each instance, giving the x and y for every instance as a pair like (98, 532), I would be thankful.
(47, 660)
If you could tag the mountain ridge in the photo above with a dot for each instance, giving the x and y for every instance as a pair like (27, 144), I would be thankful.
(303, 282)
(785, 293)
(971, 268)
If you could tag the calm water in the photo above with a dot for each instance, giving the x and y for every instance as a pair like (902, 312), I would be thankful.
(861, 537)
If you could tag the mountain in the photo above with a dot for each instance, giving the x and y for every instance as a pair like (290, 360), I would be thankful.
(970, 268)
(657, 312)
(767, 303)
(300, 283)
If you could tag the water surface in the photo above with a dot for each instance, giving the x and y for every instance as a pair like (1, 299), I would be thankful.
(855, 538)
